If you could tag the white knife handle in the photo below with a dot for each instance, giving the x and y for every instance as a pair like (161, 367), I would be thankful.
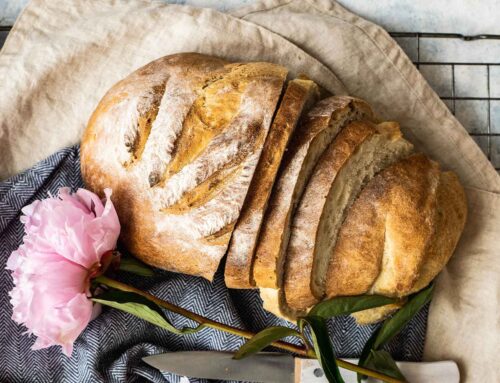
(309, 371)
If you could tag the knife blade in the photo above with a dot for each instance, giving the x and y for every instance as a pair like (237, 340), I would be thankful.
(262, 367)
(283, 368)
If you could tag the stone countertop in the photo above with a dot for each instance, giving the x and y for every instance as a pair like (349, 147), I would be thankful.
(451, 16)
(465, 74)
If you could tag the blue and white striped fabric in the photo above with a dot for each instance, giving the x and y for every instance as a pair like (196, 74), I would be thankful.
(111, 348)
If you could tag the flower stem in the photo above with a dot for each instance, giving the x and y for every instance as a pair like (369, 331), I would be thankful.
(308, 353)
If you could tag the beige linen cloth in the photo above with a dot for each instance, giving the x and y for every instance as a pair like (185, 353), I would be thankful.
(62, 56)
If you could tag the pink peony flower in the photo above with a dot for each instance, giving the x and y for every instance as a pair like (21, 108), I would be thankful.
(66, 238)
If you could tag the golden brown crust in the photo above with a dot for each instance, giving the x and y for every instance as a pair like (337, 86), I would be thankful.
(162, 138)
(312, 137)
(450, 221)
(384, 239)
(299, 96)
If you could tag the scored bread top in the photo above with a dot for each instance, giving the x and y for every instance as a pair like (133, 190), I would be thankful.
(178, 141)
(314, 134)
(299, 95)
(386, 234)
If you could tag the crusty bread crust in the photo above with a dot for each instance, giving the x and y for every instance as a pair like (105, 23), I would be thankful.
(383, 241)
(450, 221)
(300, 94)
(451, 215)
(312, 137)
(178, 142)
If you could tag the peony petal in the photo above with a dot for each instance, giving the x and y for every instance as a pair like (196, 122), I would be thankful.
(80, 246)
(41, 342)
(15, 259)
(64, 195)
(65, 325)
(88, 198)
(67, 349)
(46, 282)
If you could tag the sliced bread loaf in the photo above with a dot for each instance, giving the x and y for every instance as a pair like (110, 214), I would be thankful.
(178, 141)
(299, 96)
(360, 151)
(383, 241)
(315, 133)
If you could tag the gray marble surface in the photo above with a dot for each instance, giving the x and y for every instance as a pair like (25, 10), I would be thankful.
(444, 16)
(468, 17)
(465, 74)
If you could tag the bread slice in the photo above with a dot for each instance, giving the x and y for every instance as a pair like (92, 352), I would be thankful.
(299, 96)
(178, 141)
(360, 151)
(315, 133)
(383, 242)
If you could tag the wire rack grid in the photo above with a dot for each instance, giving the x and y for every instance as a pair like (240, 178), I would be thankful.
(483, 101)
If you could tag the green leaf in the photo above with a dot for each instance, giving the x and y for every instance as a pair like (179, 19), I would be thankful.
(323, 347)
(134, 266)
(395, 324)
(382, 361)
(263, 339)
(141, 307)
(348, 305)
(364, 359)
(392, 326)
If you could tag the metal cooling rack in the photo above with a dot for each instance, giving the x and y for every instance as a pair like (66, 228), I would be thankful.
(492, 144)
(489, 140)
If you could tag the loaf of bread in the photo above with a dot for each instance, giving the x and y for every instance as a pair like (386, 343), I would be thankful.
(310, 202)
(178, 141)
(377, 314)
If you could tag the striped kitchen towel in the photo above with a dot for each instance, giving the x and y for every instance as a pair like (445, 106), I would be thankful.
(111, 348)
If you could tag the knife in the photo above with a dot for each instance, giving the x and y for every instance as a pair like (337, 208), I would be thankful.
(283, 368)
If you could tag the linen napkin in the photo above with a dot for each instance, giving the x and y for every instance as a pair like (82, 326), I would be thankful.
(61, 57)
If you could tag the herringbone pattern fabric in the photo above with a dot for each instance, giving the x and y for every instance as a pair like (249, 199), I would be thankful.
(111, 348)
